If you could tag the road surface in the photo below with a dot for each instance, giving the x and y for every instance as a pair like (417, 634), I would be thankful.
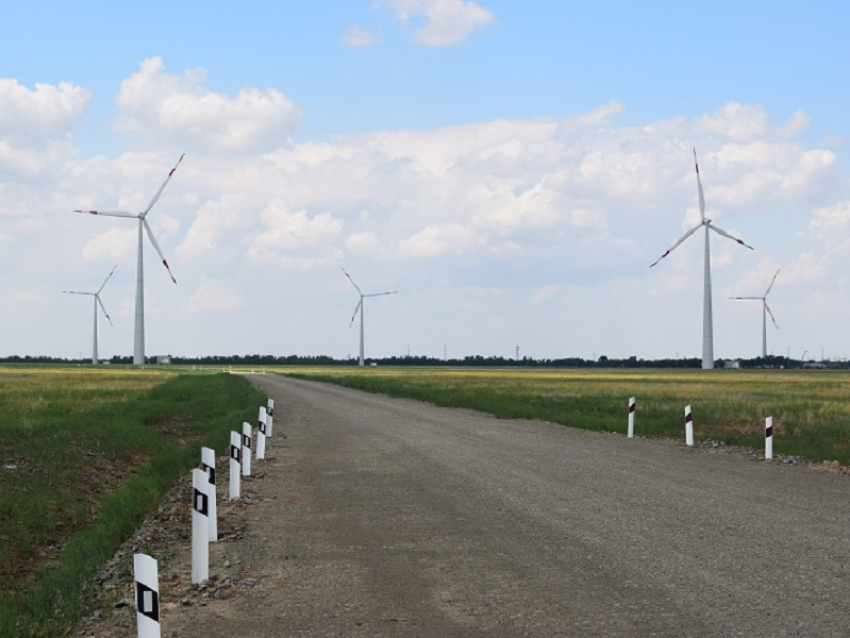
(388, 517)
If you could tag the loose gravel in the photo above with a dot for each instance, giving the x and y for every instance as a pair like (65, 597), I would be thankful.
(389, 517)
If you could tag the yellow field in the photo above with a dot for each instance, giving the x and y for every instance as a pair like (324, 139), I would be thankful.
(810, 409)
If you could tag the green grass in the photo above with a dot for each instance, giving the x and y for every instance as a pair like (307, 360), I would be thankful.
(87, 454)
(810, 409)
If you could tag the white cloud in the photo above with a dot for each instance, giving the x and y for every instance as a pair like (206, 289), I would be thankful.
(33, 118)
(180, 109)
(32, 298)
(508, 188)
(798, 123)
(113, 243)
(735, 121)
(290, 262)
(35, 136)
(363, 243)
(601, 115)
(778, 169)
(545, 294)
(213, 221)
(437, 239)
(287, 230)
(296, 239)
(833, 218)
(447, 22)
(555, 214)
(214, 296)
(357, 37)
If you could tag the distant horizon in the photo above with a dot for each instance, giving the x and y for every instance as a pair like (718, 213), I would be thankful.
(412, 360)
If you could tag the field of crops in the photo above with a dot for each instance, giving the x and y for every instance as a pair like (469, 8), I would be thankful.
(87, 453)
(810, 409)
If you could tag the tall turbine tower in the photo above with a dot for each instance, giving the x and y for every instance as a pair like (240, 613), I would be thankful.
(139, 330)
(765, 310)
(97, 302)
(707, 325)
(359, 308)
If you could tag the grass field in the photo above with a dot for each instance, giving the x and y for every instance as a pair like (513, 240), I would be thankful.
(810, 409)
(87, 453)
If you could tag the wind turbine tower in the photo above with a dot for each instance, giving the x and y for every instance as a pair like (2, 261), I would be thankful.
(139, 329)
(359, 308)
(707, 325)
(97, 302)
(765, 310)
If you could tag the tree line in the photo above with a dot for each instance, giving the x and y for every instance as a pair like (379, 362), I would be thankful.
(478, 361)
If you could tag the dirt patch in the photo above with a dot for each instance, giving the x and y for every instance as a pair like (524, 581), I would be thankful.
(98, 476)
(180, 430)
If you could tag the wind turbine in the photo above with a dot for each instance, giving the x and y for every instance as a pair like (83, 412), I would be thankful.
(765, 310)
(139, 329)
(359, 308)
(707, 325)
(97, 302)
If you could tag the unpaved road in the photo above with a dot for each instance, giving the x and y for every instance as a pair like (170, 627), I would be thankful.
(386, 517)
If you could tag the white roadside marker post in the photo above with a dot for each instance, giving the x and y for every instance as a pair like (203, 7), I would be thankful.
(689, 427)
(246, 448)
(200, 527)
(261, 434)
(146, 579)
(768, 438)
(235, 464)
(632, 403)
(208, 466)
(270, 417)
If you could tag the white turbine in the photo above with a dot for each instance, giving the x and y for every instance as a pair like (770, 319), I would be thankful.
(139, 330)
(765, 310)
(359, 308)
(97, 302)
(707, 326)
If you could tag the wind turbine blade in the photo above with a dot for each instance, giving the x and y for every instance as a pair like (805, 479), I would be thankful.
(107, 279)
(748, 298)
(77, 292)
(156, 246)
(766, 307)
(699, 188)
(725, 234)
(162, 188)
(676, 245)
(109, 213)
(356, 309)
(381, 294)
(771, 283)
(352, 282)
(100, 303)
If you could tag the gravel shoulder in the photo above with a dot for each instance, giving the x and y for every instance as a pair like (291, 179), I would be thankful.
(388, 517)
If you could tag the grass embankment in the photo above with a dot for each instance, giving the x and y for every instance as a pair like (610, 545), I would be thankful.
(87, 454)
(810, 409)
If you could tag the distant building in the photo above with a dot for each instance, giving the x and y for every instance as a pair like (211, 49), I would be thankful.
(164, 359)
(732, 364)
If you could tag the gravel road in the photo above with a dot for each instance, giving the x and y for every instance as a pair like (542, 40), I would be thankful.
(388, 517)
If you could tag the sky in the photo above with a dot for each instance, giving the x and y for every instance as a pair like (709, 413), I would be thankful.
(510, 168)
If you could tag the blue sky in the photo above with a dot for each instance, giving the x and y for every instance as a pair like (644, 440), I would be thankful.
(512, 168)
(545, 59)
